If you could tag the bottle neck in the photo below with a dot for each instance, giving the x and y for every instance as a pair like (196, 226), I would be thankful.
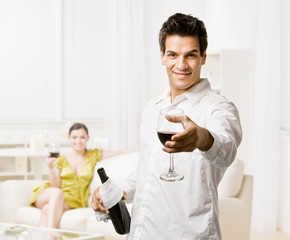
(103, 175)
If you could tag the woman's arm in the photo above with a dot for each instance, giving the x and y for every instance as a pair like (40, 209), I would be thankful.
(108, 154)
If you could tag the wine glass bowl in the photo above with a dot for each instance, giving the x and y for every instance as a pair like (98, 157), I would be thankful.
(166, 128)
(54, 150)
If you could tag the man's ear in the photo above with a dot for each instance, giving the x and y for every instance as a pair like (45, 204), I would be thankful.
(204, 58)
(162, 57)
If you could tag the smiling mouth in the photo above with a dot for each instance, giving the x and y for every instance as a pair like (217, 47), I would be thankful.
(181, 74)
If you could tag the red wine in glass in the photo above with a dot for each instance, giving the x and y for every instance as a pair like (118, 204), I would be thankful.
(165, 136)
(54, 154)
(54, 150)
(165, 130)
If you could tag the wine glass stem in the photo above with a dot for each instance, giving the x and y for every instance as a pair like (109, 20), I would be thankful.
(171, 166)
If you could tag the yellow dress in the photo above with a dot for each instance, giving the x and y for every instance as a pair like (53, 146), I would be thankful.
(75, 187)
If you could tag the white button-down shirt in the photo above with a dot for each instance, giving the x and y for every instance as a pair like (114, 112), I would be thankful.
(186, 209)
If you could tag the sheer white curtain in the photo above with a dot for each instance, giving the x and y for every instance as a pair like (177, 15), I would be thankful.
(126, 71)
(266, 113)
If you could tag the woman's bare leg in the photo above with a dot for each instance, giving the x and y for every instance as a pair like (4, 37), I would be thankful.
(43, 216)
(51, 201)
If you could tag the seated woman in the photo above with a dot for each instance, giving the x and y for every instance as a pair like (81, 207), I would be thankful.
(69, 178)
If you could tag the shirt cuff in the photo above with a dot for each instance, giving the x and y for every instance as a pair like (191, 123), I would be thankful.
(215, 152)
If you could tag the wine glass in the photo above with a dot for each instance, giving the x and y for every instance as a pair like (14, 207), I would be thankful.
(165, 130)
(54, 150)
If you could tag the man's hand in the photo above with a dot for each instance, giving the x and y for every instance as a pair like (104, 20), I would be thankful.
(191, 138)
(97, 201)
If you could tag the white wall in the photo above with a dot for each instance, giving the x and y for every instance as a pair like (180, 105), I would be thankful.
(236, 84)
(49, 58)
(86, 52)
(230, 24)
(223, 34)
(27, 60)
(284, 191)
(285, 70)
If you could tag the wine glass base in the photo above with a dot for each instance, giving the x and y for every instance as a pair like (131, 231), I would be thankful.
(171, 177)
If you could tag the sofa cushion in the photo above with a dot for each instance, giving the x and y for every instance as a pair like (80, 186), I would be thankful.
(73, 219)
(28, 215)
(76, 219)
(16, 193)
(231, 182)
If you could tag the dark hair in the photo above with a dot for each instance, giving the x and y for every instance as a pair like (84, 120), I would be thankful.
(77, 126)
(183, 25)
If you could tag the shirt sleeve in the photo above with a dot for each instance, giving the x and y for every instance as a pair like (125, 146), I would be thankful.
(224, 125)
(98, 154)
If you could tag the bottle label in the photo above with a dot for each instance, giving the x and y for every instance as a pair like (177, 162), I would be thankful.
(110, 193)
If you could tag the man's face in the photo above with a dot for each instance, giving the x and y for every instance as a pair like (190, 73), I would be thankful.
(183, 62)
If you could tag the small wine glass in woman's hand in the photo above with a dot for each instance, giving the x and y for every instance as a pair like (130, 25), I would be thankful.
(54, 150)
(165, 130)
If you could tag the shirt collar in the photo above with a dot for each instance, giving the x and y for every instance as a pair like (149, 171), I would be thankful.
(194, 94)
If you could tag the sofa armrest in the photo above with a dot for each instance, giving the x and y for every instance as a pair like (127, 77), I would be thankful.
(15, 194)
(247, 188)
(235, 212)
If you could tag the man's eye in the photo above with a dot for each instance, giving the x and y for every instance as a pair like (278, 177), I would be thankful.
(191, 56)
(171, 55)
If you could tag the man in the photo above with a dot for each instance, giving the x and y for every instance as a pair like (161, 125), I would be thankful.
(186, 209)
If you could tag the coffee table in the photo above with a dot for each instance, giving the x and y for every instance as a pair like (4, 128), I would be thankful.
(27, 232)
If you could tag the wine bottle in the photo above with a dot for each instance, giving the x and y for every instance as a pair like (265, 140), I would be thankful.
(119, 214)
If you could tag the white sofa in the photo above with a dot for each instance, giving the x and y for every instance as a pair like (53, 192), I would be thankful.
(235, 201)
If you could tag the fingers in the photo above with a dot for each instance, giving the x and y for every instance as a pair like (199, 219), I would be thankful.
(185, 141)
(175, 119)
(191, 138)
(50, 158)
(50, 161)
(186, 134)
(97, 202)
(124, 195)
(185, 148)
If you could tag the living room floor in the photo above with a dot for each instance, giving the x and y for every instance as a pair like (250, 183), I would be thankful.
(255, 235)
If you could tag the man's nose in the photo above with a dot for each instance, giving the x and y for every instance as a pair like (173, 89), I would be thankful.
(182, 63)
